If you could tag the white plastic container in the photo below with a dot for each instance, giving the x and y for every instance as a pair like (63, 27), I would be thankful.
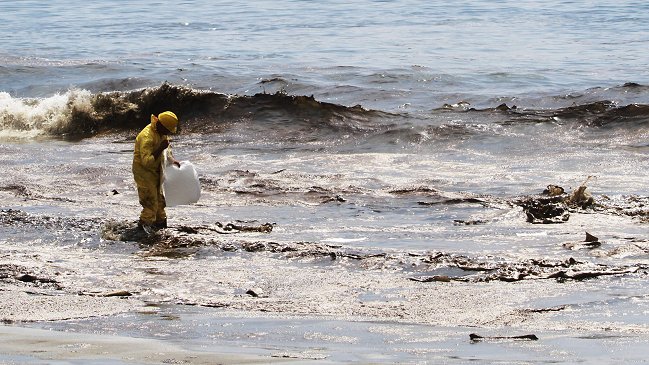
(180, 185)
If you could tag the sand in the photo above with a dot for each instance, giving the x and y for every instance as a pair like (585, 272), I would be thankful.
(30, 346)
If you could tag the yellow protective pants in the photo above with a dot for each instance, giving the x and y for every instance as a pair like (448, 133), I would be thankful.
(152, 200)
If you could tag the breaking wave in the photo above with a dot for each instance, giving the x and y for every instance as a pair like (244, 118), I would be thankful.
(78, 114)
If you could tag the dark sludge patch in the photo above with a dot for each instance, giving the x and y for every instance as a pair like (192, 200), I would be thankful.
(185, 241)
(27, 194)
(631, 206)
(437, 197)
(544, 210)
(15, 218)
(471, 222)
(453, 201)
(415, 190)
(476, 338)
(18, 190)
(554, 204)
(274, 79)
(113, 230)
(602, 113)
(16, 274)
(598, 114)
(545, 310)
(129, 231)
(243, 227)
(261, 186)
(625, 115)
(590, 242)
(160, 244)
(333, 199)
(182, 241)
(532, 269)
(157, 243)
(323, 195)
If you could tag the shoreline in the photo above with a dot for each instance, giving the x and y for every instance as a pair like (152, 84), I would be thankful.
(68, 328)
(28, 345)
(299, 303)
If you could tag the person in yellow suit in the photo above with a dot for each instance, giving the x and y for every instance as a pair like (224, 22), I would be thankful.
(150, 144)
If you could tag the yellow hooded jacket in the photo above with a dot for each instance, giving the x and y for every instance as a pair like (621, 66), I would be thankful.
(145, 164)
(147, 170)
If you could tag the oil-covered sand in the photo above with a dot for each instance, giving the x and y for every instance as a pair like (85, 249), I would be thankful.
(279, 263)
(130, 301)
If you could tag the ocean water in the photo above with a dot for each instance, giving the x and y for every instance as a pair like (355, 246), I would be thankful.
(384, 141)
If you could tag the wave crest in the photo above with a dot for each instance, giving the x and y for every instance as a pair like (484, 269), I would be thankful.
(78, 114)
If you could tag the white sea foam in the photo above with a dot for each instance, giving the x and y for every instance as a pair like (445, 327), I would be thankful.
(344, 240)
(27, 118)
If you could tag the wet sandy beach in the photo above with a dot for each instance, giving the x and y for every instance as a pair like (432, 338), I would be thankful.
(36, 346)
(260, 274)
(261, 301)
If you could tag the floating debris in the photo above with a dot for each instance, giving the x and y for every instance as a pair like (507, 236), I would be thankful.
(589, 243)
(477, 338)
(554, 190)
(119, 293)
(228, 227)
(255, 292)
(581, 197)
(543, 210)
(554, 205)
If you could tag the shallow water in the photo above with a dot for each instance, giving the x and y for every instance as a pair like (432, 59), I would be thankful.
(327, 340)
(63, 196)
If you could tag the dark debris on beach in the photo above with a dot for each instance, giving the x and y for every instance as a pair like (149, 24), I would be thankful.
(554, 205)
(23, 276)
